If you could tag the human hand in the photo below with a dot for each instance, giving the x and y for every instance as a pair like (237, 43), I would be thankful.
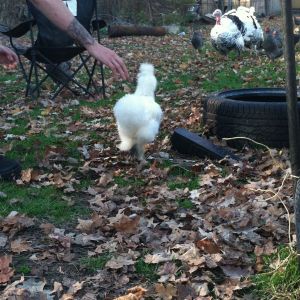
(110, 59)
(8, 57)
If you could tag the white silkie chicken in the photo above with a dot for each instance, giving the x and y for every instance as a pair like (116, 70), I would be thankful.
(138, 116)
(226, 34)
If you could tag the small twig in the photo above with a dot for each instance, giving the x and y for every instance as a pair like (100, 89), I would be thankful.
(260, 144)
(251, 140)
(287, 174)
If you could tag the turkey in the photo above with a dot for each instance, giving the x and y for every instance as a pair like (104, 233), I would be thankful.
(226, 34)
(138, 116)
(197, 40)
(272, 44)
(249, 26)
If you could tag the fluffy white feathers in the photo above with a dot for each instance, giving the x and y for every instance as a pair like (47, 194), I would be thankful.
(253, 33)
(138, 116)
(236, 29)
(225, 35)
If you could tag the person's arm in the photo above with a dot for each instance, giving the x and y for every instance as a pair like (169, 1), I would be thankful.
(8, 58)
(59, 14)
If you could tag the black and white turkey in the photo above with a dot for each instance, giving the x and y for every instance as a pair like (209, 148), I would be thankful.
(250, 28)
(226, 35)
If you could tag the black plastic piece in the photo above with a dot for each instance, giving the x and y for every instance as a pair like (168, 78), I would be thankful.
(9, 168)
(186, 142)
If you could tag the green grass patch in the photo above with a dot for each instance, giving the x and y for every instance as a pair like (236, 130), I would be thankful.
(23, 269)
(185, 203)
(84, 183)
(222, 80)
(7, 77)
(248, 76)
(176, 170)
(280, 278)
(124, 182)
(20, 127)
(180, 177)
(11, 86)
(35, 112)
(93, 264)
(76, 115)
(191, 184)
(44, 202)
(175, 82)
(148, 271)
(33, 149)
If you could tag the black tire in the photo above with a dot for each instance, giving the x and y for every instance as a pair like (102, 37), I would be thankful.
(259, 114)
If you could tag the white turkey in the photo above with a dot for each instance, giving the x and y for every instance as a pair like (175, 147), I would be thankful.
(249, 26)
(226, 34)
(254, 34)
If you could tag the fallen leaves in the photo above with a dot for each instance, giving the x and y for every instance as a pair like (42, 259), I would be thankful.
(167, 291)
(14, 223)
(183, 216)
(119, 262)
(19, 245)
(208, 246)
(6, 272)
(88, 226)
(124, 223)
(135, 293)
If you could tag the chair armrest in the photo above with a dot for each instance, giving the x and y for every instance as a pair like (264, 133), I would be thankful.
(98, 24)
(17, 31)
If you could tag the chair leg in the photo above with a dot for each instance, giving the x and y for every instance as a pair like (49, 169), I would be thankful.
(71, 79)
(91, 76)
(39, 84)
(102, 79)
(29, 81)
(59, 86)
(22, 68)
(33, 69)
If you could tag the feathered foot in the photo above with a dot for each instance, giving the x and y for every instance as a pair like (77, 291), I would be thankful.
(125, 145)
(138, 151)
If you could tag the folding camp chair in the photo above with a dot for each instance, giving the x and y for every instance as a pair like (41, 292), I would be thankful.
(51, 50)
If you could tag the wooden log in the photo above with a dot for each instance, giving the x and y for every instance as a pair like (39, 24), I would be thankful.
(129, 30)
